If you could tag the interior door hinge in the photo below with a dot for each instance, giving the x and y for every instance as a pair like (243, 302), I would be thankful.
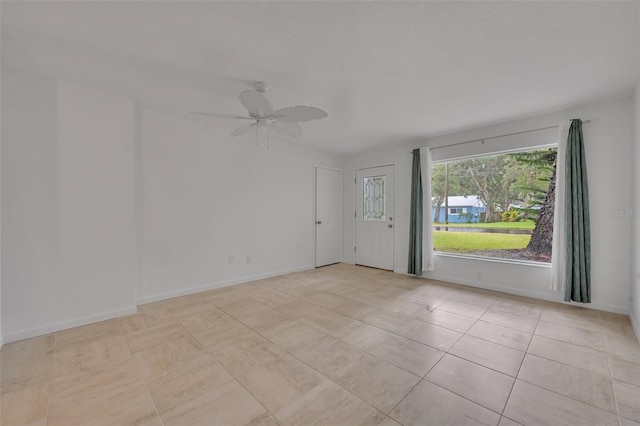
(355, 180)
(355, 214)
(354, 248)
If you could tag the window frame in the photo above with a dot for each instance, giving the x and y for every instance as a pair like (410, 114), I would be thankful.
(476, 257)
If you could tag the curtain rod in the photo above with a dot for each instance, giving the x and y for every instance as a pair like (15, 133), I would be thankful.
(593, 120)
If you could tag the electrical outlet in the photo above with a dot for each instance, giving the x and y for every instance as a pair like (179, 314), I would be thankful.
(248, 260)
(230, 258)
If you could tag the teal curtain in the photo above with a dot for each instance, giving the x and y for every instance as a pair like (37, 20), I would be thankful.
(415, 226)
(578, 234)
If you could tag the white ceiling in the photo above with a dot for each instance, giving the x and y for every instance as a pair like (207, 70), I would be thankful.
(386, 72)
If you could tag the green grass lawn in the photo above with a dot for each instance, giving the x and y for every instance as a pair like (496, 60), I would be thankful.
(467, 242)
(527, 224)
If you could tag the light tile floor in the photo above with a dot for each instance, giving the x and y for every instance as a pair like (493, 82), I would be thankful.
(340, 345)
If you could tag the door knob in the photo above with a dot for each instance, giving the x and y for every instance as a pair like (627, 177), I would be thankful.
(318, 222)
(389, 226)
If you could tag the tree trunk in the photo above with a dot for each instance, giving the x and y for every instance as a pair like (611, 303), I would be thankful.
(436, 216)
(490, 210)
(543, 232)
(489, 213)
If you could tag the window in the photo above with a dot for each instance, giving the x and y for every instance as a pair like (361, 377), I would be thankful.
(495, 206)
(457, 210)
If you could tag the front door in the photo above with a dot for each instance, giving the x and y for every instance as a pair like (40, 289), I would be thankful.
(374, 217)
(328, 216)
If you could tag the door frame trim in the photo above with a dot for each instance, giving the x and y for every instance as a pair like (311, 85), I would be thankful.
(355, 200)
(315, 210)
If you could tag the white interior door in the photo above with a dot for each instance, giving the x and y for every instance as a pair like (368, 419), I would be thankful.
(328, 216)
(374, 217)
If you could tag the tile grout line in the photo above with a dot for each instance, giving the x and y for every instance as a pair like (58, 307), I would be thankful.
(615, 397)
(473, 362)
(207, 350)
(564, 341)
(353, 346)
(573, 366)
(519, 369)
(424, 378)
(375, 326)
(190, 334)
(152, 401)
(404, 397)
(568, 397)
(292, 355)
(347, 343)
(50, 391)
(448, 390)
(334, 382)
(463, 397)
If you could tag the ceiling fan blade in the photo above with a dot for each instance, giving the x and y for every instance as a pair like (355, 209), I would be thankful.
(256, 103)
(215, 114)
(299, 114)
(243, 130)
(287, 129)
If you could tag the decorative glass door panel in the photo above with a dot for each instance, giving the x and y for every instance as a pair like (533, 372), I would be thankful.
(374, 197)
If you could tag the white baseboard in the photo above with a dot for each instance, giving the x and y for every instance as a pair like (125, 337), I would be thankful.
(219, 284)
(528, 293)
(63, 325)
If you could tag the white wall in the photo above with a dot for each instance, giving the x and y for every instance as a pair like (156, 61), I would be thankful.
(634, 297)
(106, 204)
(1, 335)
(67, 206)
(608, 144)
(634, 302)
(206, 196)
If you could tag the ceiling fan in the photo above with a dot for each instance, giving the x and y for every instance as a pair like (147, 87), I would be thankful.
(283, 121)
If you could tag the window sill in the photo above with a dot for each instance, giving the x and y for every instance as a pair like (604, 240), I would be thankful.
(494, 259)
